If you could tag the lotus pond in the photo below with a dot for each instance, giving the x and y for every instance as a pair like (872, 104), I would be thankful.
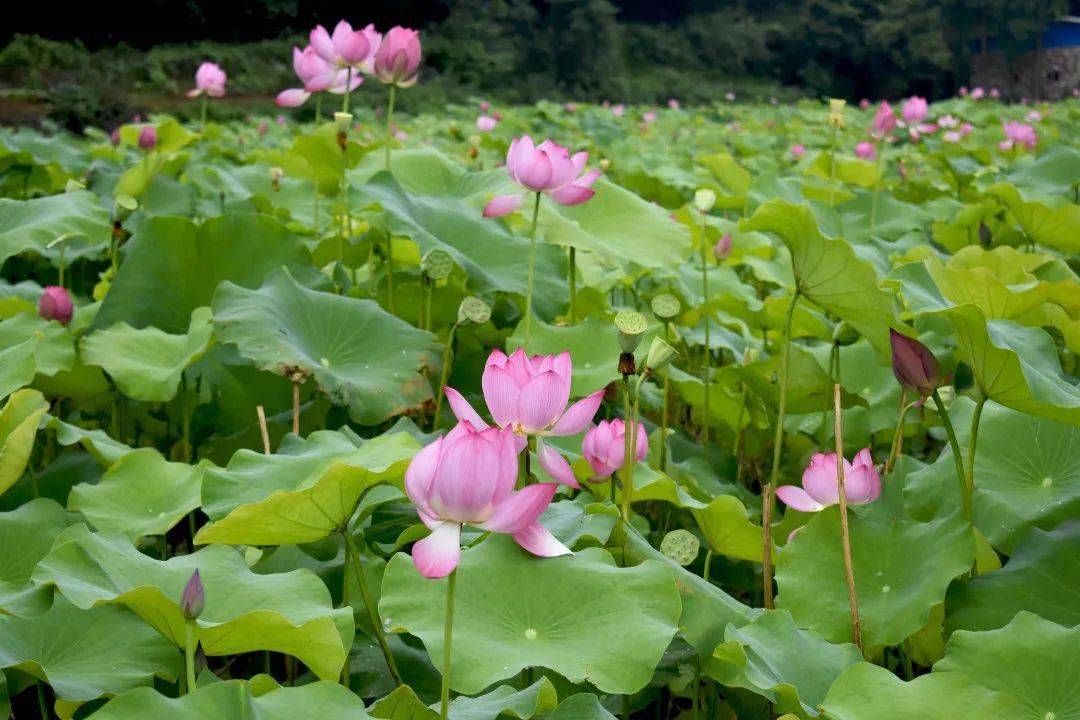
(429, 417)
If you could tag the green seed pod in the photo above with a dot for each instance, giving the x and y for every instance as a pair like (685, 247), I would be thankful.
(473, 309)
(123, 206)
(343, 120)
(437, 264)
(660, 354)
(704, 200)
(631, 326)
(682, 546)
(666, 306)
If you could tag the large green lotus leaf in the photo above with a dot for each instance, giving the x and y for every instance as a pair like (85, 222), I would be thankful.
(494, 259)
(425, 171)
(31, 225)
(147, 364)
(827, 270)
(54, 350)
(402, 704)
(1015, 365)
(728, 530)
(360, 355)
(512, 610)
(321, 503)
(103, 448)
(238, 700)
(706, 609)
(583, 706)
(18, 427)
(286, 612)
(17, 366)
(869, 692)
(1042, 576)
(87, 654)
(902, 569)
(26, 534)
(1058, 228)
(790, 667)
(141, 494)
(318, 157)
(1051, 172)
(173, 266)
(1032, 659)
(617, 225)
(251, 476)
(505, 701)
(1026, 474)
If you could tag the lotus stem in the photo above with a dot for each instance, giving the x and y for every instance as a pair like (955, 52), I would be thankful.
(262, 429)
(832, 167)
(845, 534)
(318, 108)
(532, 272)
(877, 188)
(427, 307)
(708, 563)
(389, 123)
(973, 437)
(372, 611)
(630, 460)
(390, 274)
(448, 632)
(43, 703)
(295, 407)
(664, 410)
(348, 90)
(573, 285)
(708, 351)
(898, 437)
(778, 445)
(202, 112)
(961, 476)
(443, 374)
(189, 654)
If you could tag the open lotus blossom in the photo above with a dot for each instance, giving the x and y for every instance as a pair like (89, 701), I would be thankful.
(797, 151)
(398, 58)
(618, 110)
(604, 447)
(1033, 116)
(317, 75)
(548, 168)
(884, 121)
(346, 48)
(55, 304)
(209, 79)
(1018, 133)
(468, 477)
(978, 93)
(529, 395)
(914, 110)
(865, 150)
(948, 122)
(862, 484)
(486, 123)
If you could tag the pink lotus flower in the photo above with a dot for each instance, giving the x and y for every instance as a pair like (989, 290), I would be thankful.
(317, 75)
(673, 104)
(55, 304)
(884, 121)
(1034, 116)
(797, 151)
(486, 123)
(398, 57)
(114, 137)
(863, 104)
(862, 484)
(618, 110)
(951, 136)
(281, 120)
(485, 106)
(966, 129)
(604, 447)
(468, 477)
(722, 248)
(528, 395)
(147, 137)
(947, 121)
(995, 93)
(548, 168)
(346, 48)
(914, 110)
(865, 150)
(209, 79)
(1019, 133)
(963, 91)
(649, 117)
(978, 93)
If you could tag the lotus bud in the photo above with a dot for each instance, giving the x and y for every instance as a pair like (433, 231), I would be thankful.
(605, 163)
(666, 306)
(660, 354)
(194, 598)
(722, 248)
(114, 137)
(844, 334)
(55, 304)
(276, 175)
(914, 365)
(704, 199)
(148, 137)
(473, 309)
(681, 546)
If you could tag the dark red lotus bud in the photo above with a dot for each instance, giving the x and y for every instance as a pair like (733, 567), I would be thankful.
(55, 304)
(914, 365)
(194, 598)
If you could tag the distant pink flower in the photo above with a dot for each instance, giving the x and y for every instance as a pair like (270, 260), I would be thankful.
(884, 121)
(914, 110)
(548, 168)
(604, 447)
(529, 396)
(862, 484)
(209, 79)
(1019, 133)
(55, 304)
(865, 150)
(673, 104)
(570, 107)
(978, 93)
(281, 120)
(797, 151)
(995, 93)
(863, 104)
(649, 117)
(114, 137)
(485, 106)
(486, 123)
(722, 248)
(618, 110)
(928, 128)
(951, 136)
(397, 61)
(147, 137)
(948, 122)
(966, 129)
(963, 91)
(346, 48)
(468, 477)
(1034, 116)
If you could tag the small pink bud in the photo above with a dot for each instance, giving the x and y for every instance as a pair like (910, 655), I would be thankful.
(914, 365)
(114, 137)
(722, 248)
(148, 137)
(194, 598)
(55, 304)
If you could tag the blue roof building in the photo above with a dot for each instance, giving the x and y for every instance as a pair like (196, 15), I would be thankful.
(1049, 70)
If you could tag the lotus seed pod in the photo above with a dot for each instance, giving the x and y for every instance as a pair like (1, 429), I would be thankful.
(473, 309)
(437, 264)
(631, 327)
(660, 354)
(704, 200)
(681, 546)
(123, 206)
(666, 306)
(343, 120)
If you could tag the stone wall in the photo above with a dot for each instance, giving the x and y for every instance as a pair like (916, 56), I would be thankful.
(1018, 77)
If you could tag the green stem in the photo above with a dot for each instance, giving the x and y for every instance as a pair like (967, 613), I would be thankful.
(43, 703)
(189, 654)
(390, 273)
(443, 374)
(828, 397)
(961, 476)
(389, 123)
(898, 436)
(832, 167)
(372, 611)
(778, 444)
(708, 350)
(973, 437)
(427, 309)
(532, 272)
(448, 632)
(708, 562)
(318, 108)
(664, 410)
(877, 189)
(61, 279)
(346, 222)
(573, 285)
(202, 113)
(185, 411)
(631, 425)
(348, 91)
